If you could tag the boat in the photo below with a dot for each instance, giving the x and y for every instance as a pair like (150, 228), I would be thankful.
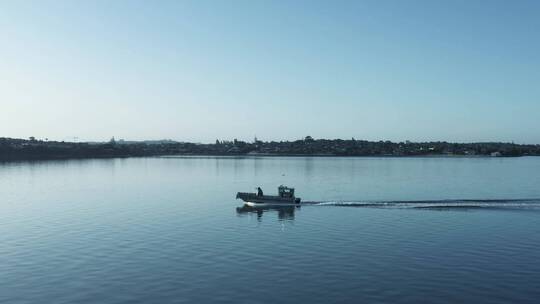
(285, 197)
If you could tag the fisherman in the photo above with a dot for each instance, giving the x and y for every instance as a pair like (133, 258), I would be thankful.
(259, 191)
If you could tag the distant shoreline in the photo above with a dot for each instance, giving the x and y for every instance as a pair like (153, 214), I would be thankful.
(334, 155)
(34, 149)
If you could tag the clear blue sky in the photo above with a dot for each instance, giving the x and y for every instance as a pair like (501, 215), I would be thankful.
(200, 70)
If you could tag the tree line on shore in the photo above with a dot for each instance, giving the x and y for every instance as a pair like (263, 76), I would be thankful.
(29, 149)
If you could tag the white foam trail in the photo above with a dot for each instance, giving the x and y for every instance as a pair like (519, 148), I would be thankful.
(440, 204)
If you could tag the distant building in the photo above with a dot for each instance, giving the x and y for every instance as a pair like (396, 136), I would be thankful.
(495, 154)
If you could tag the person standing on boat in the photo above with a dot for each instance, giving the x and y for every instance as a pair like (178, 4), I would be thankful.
(259, 191)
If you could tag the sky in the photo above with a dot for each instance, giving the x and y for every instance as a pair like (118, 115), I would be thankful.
(461, 71)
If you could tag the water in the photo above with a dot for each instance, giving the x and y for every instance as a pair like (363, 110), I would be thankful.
(167, 230)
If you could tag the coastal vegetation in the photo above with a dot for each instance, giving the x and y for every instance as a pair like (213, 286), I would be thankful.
(35, 149)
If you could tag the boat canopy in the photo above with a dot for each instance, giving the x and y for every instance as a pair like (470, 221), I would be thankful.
(285, 191)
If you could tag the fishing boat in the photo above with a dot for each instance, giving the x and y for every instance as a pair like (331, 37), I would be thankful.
(285, 197)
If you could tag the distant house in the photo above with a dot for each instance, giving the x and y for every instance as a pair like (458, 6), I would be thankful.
(234, 150)
(496, 154)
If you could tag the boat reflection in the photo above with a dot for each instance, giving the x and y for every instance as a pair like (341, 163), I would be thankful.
(284, 212)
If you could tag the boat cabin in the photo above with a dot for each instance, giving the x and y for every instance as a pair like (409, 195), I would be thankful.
(285, 191)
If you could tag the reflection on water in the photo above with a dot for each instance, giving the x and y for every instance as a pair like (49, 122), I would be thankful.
(284, 212)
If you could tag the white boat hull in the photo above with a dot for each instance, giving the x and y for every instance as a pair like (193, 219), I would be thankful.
(257, 204)
(252, 199)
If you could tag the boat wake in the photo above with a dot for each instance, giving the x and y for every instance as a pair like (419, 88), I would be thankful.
(533, 204)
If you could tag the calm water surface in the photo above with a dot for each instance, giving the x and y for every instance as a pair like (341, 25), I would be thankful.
(167, 230)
